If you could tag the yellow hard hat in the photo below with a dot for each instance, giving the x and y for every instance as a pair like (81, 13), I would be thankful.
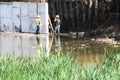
(57, 16)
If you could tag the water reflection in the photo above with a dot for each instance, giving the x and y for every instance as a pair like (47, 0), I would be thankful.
(57, 45)
(31, 46)
(22, 46)
(39, 46)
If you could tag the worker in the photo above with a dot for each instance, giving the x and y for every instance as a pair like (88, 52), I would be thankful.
(57, 24)
(38, 22)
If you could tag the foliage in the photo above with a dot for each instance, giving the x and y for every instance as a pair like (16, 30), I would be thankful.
(62, 67)
(45, 68)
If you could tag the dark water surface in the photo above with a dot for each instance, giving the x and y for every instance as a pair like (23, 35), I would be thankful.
(86, 51)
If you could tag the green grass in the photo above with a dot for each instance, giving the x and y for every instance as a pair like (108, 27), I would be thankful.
(62, 67)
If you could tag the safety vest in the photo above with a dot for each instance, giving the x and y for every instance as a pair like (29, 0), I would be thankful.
(38, 22)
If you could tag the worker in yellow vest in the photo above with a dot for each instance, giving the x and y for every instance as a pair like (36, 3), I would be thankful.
(38, 22)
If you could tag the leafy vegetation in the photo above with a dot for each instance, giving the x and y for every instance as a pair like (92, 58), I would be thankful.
(62, 67)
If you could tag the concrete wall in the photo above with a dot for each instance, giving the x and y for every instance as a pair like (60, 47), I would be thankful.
(20, 16)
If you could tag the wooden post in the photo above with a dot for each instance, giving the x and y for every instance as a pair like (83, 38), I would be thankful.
(50, 23)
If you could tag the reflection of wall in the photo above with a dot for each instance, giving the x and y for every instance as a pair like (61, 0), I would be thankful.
(6, 46)
(44, 41)
(21, 46)
(20, 16)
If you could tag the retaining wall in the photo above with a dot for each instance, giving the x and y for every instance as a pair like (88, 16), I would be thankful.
(20, 16)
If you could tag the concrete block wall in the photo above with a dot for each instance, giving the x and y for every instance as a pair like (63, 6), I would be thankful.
(6, 17)
(20, 16)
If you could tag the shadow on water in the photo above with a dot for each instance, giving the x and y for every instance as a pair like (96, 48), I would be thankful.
(86, 51)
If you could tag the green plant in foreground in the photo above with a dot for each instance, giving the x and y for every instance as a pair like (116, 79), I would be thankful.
(45, 68)
(63, 67)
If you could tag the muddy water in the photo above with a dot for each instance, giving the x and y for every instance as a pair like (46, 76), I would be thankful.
(87, 51)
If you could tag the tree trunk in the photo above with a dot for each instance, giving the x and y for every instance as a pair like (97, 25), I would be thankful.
(89, 9)
(83, 6)
(96, 8)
